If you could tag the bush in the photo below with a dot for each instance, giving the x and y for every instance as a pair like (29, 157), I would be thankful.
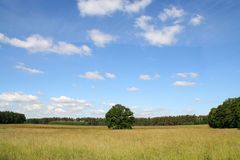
(119, 117)
(226, 115)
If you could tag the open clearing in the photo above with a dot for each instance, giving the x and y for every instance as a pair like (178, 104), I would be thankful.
(53, 142)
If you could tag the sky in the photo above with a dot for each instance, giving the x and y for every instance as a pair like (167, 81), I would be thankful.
(77, 58)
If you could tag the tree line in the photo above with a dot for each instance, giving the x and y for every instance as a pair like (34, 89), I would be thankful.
(155, 121)
(7, 117)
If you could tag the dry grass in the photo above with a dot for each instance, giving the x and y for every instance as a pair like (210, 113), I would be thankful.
(48, 142)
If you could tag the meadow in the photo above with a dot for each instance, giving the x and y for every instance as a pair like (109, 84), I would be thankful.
(58, 142)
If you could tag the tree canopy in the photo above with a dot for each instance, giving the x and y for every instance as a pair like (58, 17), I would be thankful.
(119, 117)
(7, 117)
(226, 115)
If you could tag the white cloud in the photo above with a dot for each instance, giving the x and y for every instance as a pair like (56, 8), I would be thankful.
(23, 101)
(23, 67)
(66, 105)
(37, 43)
(147, 77)
(92, 75)
(107, 7)
(17, 97)
(97, 76)
(99, 38)
(171, 13)
(33, 107)
(137, 5)
(64, 101)
(159, 37)
(143, 23)
(110, 75)
(187, 74)
(59, 110)
(184, 83)
(133, 89)
(196, 20)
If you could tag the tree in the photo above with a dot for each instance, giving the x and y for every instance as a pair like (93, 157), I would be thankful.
(226, 115)
(119, 117)
(7, 117)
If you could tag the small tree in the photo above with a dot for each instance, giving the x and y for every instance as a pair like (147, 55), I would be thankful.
(119, 117)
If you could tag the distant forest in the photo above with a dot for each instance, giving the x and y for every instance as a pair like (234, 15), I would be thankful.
(11, 117)
(156, 121)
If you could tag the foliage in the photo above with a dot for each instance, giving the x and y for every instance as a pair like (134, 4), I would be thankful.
(119, 117)
(155, 121)
(78, 121)
(11, 117)
(171, 120)
(226, 115)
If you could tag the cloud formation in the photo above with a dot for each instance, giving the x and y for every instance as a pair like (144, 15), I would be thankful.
(171, 13)
(24, 68)
(184, 83)
(37, 43)
(108, 7)
(24, 101)
(147, 77)
(158, 36)
(187, 74)
(196, 20)
(110, 75)
(172, 22)
(99, 38)
(97, 75)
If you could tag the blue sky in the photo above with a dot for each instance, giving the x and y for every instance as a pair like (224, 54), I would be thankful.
(158, 57)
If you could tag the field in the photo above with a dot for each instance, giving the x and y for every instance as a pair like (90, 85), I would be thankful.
(55, 142)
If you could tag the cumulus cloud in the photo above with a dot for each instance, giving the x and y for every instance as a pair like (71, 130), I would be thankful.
(196, 20)
(64, 101)
(64, 105)
(184, 83)
(24, 68)
(187, 74)
(133, 89)
(97, 75)
(37, 43)
(159, 37)
(99, 38)
(110, 75)
(171, 13)
(136, 6)
(166, 33)
(92, 75)
(24, 101)
(107, 7)
(147, 77)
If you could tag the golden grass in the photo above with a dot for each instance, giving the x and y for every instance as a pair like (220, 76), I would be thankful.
(50, 142)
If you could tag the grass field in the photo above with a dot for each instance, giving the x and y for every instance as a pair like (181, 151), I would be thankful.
(54, 142)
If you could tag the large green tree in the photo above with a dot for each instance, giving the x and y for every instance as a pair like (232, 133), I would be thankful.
(119, 117)
(226, 115)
